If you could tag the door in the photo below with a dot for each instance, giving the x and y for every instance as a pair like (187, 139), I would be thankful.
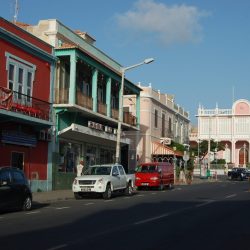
(243, 156)
(116, 180)
(5, 189)
(17, 160)
(123, 177)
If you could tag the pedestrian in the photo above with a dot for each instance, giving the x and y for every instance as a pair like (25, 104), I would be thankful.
(80, 167)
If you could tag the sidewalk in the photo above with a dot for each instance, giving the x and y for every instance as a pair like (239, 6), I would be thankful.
(60, 195)
(52, 196)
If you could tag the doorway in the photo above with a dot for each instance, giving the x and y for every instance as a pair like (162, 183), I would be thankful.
(17, 160)
(243, 156)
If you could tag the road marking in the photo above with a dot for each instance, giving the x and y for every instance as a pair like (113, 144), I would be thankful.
(140, 195)
(205, 203)
(90, 203)
(109, 201)
(60, 208)
(153, 193)
(58, 247)
(151, 219)
(36, 212)
(230, 196)
(126, 198)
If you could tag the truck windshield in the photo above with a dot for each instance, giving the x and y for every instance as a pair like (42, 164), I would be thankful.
(98, 170)
(147, 169)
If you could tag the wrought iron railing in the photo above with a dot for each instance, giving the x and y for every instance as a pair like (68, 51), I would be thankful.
(24, 104)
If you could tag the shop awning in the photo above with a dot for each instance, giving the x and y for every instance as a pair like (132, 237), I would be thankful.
(158, 148)
(81, 133)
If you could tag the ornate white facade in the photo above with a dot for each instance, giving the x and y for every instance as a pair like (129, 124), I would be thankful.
(230, 127)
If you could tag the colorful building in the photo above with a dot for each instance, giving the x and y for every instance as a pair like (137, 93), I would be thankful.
(231, 127)
(26, 84)
(162, 121)
(86, 104)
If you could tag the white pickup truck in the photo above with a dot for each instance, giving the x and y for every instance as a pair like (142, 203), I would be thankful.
(104, 179)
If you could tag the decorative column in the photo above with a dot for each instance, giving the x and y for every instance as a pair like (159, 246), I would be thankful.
(108, 96)
(138, 117)
(72, 83)
(233, 152)
(94, 89)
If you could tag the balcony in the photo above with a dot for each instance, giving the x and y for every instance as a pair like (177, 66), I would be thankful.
(84, 100)
(129, 118)
(115, 113)
(102, 108)
(24, 104)
(61, 96)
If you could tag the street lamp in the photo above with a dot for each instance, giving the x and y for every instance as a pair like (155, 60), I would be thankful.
(120, 118)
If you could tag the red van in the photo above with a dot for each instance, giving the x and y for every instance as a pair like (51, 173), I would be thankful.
(155, 174)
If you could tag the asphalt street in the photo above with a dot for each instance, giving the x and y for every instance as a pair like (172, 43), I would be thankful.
(206, 216)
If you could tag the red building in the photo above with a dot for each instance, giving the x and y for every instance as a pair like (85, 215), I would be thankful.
(26, 94)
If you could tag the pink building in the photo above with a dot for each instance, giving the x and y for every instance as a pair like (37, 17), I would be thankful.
(229, 126)
(161, 121)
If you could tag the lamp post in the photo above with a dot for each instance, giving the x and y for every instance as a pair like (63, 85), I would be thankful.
(120, 118)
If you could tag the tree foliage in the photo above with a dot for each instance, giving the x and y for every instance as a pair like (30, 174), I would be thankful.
(203, 148)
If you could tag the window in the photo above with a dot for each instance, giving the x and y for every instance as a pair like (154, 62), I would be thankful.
(163, 125)
(115, 171)
(20, 76)
(121, 170)
(5, 176)
(18, 178)
(11, 76)
(156, 118)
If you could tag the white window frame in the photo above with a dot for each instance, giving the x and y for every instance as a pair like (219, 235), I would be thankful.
(27, 68)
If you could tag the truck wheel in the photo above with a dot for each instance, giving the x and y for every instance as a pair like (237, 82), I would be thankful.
(129, 189)
(108, 192)
(77, 196)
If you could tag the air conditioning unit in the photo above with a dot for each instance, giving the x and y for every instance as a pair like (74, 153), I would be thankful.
(165, 140)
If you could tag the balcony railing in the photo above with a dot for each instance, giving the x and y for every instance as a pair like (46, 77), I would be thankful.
(115, 113)
(24, 104)
(102, 108)
(61, 96)
(129, 118)
(84, 100)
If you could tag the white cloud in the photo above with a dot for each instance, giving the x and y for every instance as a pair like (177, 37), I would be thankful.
(169, 24)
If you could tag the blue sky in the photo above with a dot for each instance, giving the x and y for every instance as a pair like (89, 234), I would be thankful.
(201, 47)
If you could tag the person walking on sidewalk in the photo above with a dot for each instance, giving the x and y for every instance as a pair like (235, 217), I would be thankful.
(80, 167)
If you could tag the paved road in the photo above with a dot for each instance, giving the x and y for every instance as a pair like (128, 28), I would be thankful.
(206, 216)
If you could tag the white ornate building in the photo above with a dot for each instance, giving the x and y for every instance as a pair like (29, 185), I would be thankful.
(228, 126)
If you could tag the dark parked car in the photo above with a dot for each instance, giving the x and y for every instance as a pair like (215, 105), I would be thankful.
(15, 192)
(238, 173)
